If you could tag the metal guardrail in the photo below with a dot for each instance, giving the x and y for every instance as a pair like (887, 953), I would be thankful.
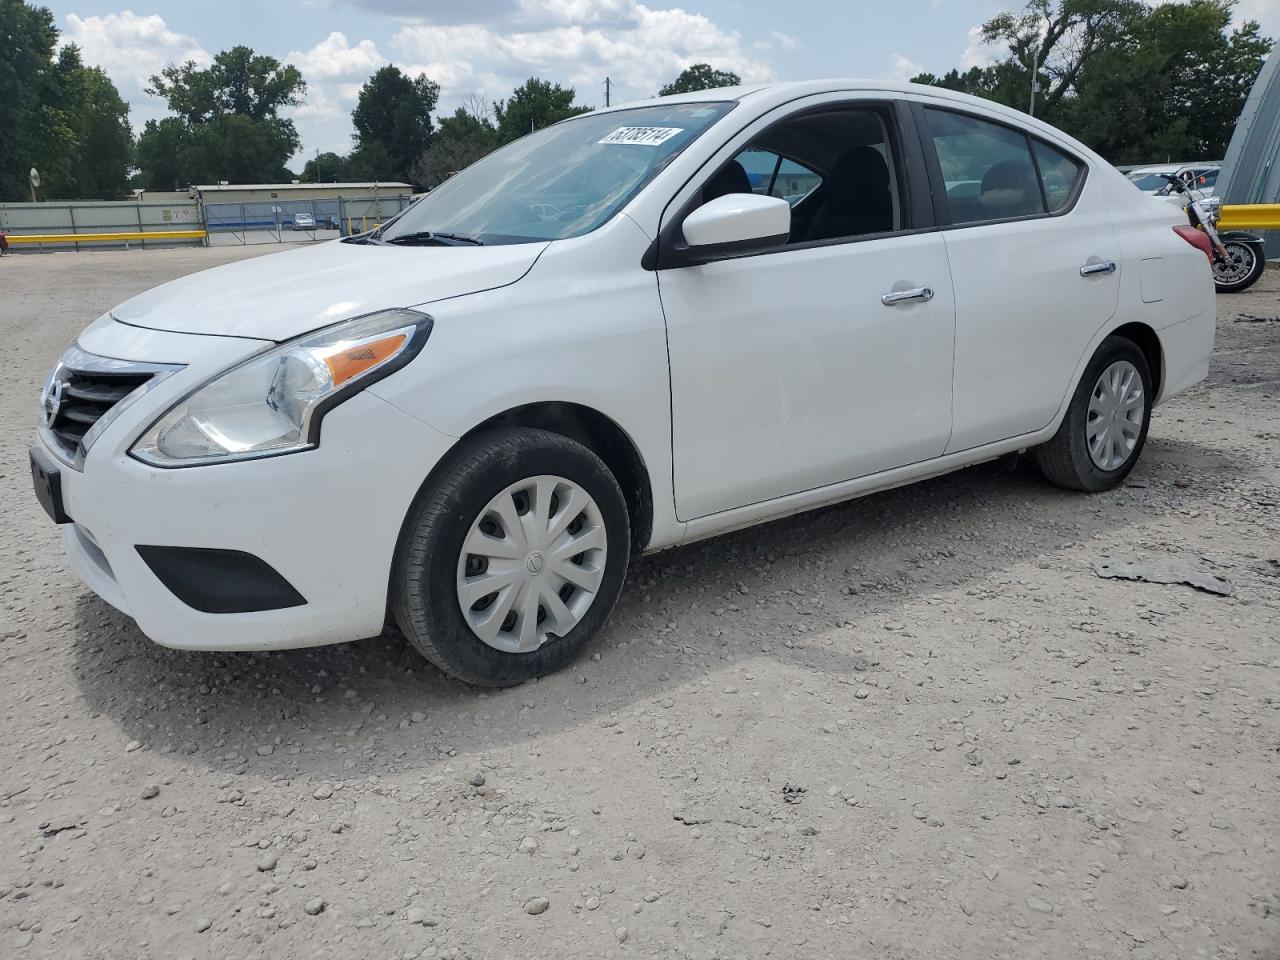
(1250, 216)
(141, 235)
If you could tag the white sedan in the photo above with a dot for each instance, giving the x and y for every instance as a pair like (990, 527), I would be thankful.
(634, 329)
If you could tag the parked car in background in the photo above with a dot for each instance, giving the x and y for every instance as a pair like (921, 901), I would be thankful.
(1155, 180)
(304, 221)
(609, 338)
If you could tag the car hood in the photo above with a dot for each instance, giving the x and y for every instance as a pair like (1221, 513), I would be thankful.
(285, 295)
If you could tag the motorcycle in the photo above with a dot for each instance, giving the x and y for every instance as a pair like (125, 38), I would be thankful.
(1238, 258)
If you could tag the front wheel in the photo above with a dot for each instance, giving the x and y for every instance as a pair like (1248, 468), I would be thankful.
(1243, 267)
(1105, 428)
(512, 559)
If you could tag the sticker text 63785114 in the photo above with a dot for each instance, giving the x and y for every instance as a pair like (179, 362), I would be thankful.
(642, 136)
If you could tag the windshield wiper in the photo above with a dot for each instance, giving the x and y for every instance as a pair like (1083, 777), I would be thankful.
(431, 236)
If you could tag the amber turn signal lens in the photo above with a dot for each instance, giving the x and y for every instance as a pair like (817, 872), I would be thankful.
(350, 363)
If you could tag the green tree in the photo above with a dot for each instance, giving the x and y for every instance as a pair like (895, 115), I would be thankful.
(700, 76)
(105, 149)
(327, 167)
(227, 124)
(159, 160)
(533, 105)
(1174, 89)
(1135, 82)
(1058, 38)
(1004, 82)
(238, 81)
(57, 115)
(460, 141)
(393, 123)
(25, 58)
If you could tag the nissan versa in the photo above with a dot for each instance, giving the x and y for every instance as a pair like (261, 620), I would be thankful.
(630, 330)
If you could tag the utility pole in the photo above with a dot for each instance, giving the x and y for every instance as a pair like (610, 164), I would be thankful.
(1035, 80)
(319, 179)
(608, 87)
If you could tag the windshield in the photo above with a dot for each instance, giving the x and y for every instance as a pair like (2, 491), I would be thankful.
(1149, 181)
(559, 182)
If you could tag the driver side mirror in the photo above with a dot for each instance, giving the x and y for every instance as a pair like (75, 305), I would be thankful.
(737, 223)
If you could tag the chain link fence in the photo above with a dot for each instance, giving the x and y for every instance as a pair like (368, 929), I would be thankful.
(285, 221)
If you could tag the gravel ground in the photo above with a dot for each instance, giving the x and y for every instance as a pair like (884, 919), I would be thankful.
(917, 725)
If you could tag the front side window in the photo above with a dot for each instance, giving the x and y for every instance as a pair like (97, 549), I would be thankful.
(560, 182)
(988, 169)
(837, 168)
(772, 175)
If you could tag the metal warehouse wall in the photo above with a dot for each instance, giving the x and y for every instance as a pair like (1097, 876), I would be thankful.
(105, 216)
(1251, 170)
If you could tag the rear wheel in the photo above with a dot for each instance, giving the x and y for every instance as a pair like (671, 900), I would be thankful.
(512, 559)
(1242, 269)
(1105, 428)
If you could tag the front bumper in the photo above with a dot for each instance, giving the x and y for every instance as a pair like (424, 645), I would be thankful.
(327, 520)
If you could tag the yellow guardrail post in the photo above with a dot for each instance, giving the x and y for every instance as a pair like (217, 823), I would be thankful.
(1244, 216)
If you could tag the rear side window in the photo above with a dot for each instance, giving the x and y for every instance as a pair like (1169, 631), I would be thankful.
(1059, 173)
(987, 167)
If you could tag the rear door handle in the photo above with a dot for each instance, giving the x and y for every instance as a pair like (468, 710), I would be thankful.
(1100, 266)
(923, 294)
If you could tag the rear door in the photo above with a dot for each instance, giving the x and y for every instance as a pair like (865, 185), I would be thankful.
(1034, 264)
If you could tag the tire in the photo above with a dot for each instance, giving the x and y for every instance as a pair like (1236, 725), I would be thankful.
(1066, 460)
(431, 569)
(1247, 267)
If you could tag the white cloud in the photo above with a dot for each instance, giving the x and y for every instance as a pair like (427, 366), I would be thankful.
(577, 42)
(902, 68)
(469, 47)
(1266, 12)
(335, 57)
(131, 48)
(978, 53)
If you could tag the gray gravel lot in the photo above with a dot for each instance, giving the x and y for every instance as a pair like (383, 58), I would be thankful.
(916, 725)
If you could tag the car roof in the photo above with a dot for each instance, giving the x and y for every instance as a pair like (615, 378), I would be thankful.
(766, 96)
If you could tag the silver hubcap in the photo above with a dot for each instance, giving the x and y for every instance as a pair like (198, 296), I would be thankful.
(1116, 409)
(532, 564)
(1240, 262)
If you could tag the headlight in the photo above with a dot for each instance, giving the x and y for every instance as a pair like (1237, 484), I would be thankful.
(273, 403)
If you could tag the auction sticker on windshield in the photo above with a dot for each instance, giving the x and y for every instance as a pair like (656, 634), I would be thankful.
(643, 136)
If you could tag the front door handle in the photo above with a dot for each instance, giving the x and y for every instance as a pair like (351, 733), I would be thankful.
(1097, 267)
(923, 294)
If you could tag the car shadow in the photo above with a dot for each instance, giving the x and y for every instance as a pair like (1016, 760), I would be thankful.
(687, 615)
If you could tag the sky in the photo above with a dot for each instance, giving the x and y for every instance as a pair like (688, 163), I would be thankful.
(486, 47)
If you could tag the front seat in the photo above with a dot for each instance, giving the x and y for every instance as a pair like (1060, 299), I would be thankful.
(732, 178)
(1010, 189)
(856, 197)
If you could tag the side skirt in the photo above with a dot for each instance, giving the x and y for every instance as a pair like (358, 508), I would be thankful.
(740, 517)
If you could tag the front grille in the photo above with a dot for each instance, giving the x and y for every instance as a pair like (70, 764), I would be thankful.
(86, 398)
(86, 392)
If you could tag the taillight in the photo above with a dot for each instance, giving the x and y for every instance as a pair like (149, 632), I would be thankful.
(1197, 238)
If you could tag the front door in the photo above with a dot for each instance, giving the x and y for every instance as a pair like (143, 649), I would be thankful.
(789, 371)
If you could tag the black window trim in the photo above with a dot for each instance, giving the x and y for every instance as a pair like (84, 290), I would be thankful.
(941, 202)
(668, 250)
